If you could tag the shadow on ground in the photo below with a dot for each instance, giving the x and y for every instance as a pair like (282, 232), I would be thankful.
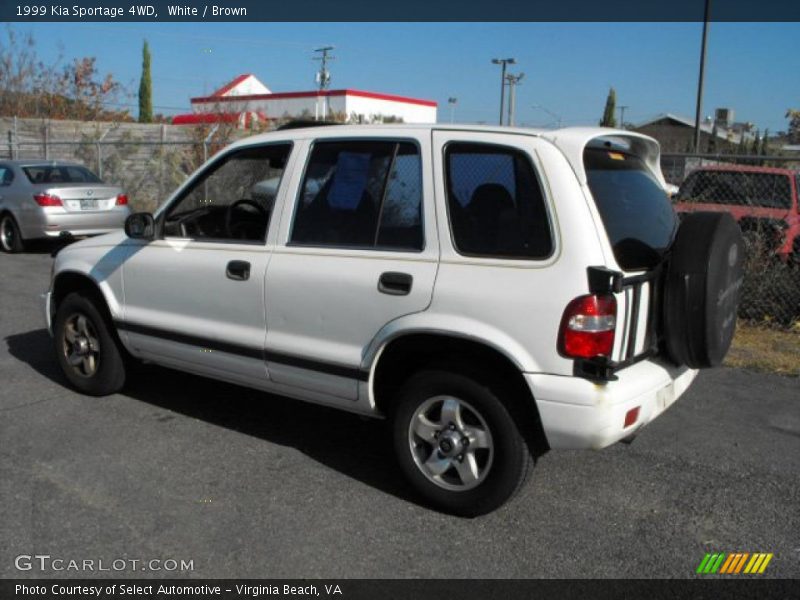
(354, 446)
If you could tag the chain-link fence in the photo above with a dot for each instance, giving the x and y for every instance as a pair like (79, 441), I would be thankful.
(761, 192)
(148, 160)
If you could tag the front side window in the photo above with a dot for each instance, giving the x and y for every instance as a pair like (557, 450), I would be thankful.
(361, 194)
(495, 203)
(233, 199)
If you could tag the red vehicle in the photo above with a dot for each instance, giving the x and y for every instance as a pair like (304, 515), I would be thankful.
(761, 199)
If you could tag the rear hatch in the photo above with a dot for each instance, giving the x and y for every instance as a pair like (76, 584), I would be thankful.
(641, 224)
(77, 188)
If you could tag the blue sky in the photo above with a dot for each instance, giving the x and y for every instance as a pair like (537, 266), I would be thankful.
(752, 67)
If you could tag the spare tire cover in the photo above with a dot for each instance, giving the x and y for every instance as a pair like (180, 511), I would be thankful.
(701, 291)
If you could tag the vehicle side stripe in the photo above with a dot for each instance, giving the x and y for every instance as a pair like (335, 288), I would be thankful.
(247, 351)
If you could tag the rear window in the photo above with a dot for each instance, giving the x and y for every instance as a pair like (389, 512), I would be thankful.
(637, 214)
(737, 188)
(60, 174)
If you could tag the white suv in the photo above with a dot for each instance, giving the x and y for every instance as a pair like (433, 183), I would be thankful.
(494, 292)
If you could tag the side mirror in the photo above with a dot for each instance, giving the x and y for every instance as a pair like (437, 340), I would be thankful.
(140, 226)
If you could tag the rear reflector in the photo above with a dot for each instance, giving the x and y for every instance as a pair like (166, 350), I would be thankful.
(47, 200)
(587, 327)
(631, 417)
(122, 199)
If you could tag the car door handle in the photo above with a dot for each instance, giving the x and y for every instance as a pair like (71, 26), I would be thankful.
(395, 284)
(238, 270)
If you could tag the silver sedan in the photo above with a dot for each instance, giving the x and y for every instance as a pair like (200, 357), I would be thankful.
(47, 199)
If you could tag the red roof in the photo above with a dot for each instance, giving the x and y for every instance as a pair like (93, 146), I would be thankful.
(229, 86)
(211, 118)
(288, 95)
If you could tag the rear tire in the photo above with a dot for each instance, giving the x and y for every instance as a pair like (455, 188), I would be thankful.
(457, 443)
(86, 347)
(11, 240)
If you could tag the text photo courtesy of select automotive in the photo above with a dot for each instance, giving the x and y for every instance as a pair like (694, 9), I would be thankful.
(268, 311)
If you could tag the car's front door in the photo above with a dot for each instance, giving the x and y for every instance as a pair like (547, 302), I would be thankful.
(194, 297)
(357, 249)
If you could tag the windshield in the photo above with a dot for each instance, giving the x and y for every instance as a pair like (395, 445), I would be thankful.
(49, 174)
(637, 214)
(738, 188)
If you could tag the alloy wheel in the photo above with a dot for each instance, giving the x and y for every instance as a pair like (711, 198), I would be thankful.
(81, 345)
(451, 443)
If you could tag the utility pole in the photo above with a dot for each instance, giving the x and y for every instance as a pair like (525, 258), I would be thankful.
(503, 62)
(513, 81)
(699, 110)
(622, 117)
(452, 101)
(323, 77)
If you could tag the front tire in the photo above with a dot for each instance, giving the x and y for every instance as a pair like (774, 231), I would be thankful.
(86, 348)
(10, 237)
(457, 443)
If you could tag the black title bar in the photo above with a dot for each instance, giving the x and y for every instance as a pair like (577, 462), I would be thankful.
(408, 10)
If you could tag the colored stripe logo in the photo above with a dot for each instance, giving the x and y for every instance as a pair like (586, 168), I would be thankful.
(734, 563)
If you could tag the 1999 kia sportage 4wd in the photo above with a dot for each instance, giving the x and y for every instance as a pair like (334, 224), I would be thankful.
(494, 292)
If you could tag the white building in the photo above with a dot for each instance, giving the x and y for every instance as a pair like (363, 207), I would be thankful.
(246, 98)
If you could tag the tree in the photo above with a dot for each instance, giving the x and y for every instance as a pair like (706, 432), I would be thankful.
(754, 145)
(31, 88)
(794, 125)
(609, 120)
(765, 143)
(712, 140)
(145, 88)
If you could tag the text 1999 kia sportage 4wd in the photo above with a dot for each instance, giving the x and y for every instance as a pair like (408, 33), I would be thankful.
(494, 292)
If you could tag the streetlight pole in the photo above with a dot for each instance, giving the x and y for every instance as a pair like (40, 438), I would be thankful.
(699, 110)
(503, 62)
(513, 80)
(452, 101)
(622, 117)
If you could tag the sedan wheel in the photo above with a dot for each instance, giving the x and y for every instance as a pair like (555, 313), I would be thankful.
(10, 238)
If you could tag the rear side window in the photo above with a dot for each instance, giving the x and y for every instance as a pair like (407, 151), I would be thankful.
(49, 174)
(635, 209)
(495, 203)
(737, 188)
(361, 194)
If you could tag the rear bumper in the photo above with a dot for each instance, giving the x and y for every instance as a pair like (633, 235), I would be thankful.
(53, 224)
(577, 413)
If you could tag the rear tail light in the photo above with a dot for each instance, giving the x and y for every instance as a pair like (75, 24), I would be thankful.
(122, 199)
(47, 200)
(587, 327)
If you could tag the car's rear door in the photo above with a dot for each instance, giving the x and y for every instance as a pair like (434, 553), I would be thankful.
(357, 249)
